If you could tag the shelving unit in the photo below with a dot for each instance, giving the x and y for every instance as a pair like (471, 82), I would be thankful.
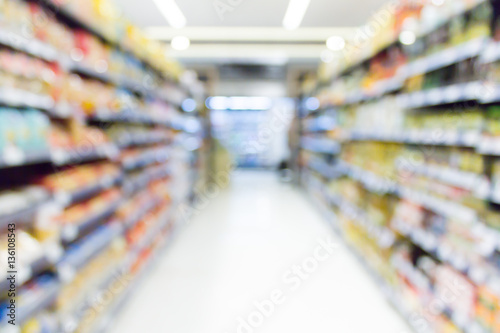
(413, 185)
(105, 164)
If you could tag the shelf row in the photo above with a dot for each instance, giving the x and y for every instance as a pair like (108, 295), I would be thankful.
(484, 145)
(440, 206)
(14, 157)
(422, 30)
(68, 265)
(389, 292)
(19, 98)
(419, 237)
(67, 262)
(41, 50)
(484, 92)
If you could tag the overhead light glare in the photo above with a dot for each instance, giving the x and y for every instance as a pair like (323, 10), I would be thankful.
(172, 13)
(295, 13)
(180, 43)
(335, 43)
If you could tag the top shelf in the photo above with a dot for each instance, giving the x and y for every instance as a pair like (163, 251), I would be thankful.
(73, 20)
(396, 42)
(41, 50)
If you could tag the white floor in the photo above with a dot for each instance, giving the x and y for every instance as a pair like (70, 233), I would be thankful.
(237, 252)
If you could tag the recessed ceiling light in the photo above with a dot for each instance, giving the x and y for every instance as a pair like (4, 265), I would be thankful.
(295, 13)
(172, 13)
(335, 43)
(180, 43)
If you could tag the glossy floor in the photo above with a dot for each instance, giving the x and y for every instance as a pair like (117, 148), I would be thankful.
(258, 258)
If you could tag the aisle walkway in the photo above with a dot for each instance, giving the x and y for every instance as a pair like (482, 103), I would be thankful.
(249, 246)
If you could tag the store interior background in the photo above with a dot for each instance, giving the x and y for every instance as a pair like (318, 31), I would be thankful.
(150, 193)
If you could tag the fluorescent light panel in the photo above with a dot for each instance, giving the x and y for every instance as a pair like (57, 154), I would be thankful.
(171, 11)
(295, 13)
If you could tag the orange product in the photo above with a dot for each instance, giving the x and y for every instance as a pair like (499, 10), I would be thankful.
(80, 211)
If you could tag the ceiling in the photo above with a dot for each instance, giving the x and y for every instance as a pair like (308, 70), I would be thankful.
(251, 32)
(253, 13)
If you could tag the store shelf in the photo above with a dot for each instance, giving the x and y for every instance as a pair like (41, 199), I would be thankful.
(62, 157)
(386, 86)
(130, 117)
(391, 295)
(141, 212)
(73, 19)
(106, 319)
(70, 322)
(454, 93)
(139, 182)
(478, 184)
(30, 46)
(20, 98)
(491, 53)
(150, 157)
(50, 256)
(325, 146)
(23, 215)
(324, 169)
(442, 207)
(140, 139)
(419, 137)
(320, 124)
(40, 301)
(71, 231)
(384, 236)
(491, 93)
(484, 145)
(44, 51)
(80, 254)
(427, 241)
(152, 232)
(14, 157)
(66, 199)
(444, 58)
(421, 66)
(105, 76)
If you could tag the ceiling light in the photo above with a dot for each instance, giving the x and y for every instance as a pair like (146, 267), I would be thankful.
(295, 13)
(172, 13)
(335, 43)
(438, 2)
(180, 43)
(407, 37)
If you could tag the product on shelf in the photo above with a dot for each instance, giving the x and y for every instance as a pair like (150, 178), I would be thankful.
(15, 200)
(26, 130)
(79, 177)
(79, 212)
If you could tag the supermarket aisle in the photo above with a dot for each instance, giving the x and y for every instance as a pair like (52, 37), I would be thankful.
(242, 250)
